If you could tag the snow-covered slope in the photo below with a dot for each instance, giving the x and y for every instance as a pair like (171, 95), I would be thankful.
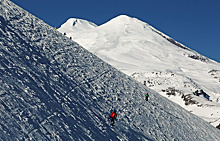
(157, 60)
(53, 89)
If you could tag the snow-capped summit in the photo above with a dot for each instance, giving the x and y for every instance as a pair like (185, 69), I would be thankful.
(125, 25)
(74, 24)
(153, 58)
(123, 20)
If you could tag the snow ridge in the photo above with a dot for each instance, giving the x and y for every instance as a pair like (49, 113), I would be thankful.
(53, 89)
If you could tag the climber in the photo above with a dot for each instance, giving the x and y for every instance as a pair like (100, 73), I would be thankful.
(147, 95)
(113, 116)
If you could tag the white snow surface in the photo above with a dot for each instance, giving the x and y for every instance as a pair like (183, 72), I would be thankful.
(51, 88)
(146, 54)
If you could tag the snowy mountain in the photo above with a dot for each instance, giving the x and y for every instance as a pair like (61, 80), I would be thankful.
(156, 60)
(53, 89)
(74, 24)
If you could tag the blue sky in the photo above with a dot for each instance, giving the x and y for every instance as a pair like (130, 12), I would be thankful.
(194, 23)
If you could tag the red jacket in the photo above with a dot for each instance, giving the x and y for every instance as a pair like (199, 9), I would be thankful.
(113, 115)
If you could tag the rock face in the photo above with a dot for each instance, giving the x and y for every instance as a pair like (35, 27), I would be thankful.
(53, 89)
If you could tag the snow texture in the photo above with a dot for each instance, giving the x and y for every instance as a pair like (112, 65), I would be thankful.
(53, 89)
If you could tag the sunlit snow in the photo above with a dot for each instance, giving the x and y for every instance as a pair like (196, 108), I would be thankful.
(146, 54)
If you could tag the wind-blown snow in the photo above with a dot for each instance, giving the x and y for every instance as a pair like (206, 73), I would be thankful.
(53, 89)
(147, 54)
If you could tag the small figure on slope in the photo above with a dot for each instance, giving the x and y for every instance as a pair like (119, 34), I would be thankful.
(113, 116)
(147, 95)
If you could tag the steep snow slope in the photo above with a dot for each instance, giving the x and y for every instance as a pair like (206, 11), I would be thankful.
(53, 89)
(150, 56)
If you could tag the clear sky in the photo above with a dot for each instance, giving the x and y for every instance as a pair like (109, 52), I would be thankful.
(194, 23)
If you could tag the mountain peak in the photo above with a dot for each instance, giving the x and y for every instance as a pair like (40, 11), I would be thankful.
(124, 19)
(77, 24)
